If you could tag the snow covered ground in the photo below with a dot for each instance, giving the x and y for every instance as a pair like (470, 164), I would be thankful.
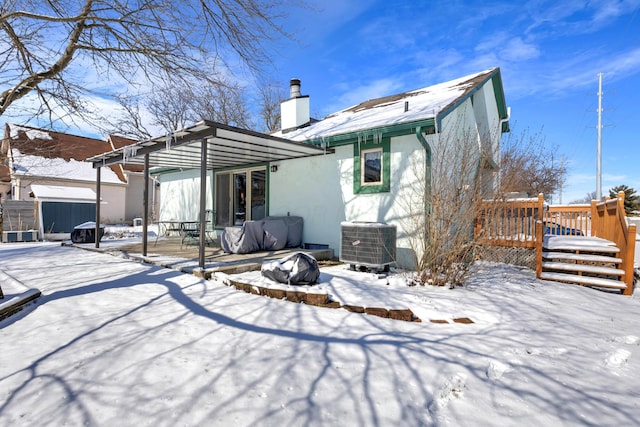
(117, 342)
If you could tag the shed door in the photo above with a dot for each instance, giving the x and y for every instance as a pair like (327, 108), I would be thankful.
(61, 217)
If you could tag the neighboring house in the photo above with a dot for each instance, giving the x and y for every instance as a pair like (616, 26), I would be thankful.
(135, 185)
(49, 168)
(373, 152)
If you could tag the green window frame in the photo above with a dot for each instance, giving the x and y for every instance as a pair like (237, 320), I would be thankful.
(365, 180)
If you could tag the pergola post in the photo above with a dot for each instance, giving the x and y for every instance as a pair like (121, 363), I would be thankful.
(98, 185)
(203, 200)
(145, 205)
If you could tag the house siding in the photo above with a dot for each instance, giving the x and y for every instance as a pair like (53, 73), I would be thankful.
(181, 195)
(320, 189)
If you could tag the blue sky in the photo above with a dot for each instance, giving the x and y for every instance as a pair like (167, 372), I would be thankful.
(549, 53)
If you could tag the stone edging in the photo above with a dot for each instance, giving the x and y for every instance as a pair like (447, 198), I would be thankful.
(321, 300)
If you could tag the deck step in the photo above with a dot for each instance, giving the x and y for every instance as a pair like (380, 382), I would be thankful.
(577, 247)
(584, 268)
(581, 257)
(583, 280)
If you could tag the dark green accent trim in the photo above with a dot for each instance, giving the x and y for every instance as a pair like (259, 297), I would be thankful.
(237, 168)
(223, 170)
(427, 171)
(163, 171)
(267, 183)
(500, 100)
(385, 187)
(496, 81)
(389, 131)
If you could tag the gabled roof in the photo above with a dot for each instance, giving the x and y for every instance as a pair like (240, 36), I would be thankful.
(50, 154)
(426, 106)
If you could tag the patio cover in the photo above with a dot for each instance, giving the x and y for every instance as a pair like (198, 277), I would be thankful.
(227, 146)
(205, 145)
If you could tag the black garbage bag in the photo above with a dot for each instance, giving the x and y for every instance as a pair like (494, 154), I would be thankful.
(298, 268)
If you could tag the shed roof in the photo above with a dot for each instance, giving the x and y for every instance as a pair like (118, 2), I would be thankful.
(63, 193)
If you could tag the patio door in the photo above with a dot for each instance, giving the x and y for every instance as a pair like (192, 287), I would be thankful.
(240, 196)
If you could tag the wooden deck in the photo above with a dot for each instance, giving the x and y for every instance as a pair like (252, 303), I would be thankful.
(168, 252)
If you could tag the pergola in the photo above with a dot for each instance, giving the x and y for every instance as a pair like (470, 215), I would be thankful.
(204, 146)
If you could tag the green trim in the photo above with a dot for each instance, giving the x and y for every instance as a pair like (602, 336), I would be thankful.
(267, 178)
(427, 171)
(385, 187)
(500, 100)
(248, 166)
(400, 129)
(496, 81)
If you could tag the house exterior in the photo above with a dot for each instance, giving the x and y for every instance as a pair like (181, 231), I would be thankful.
(377, 154)
(49, 168)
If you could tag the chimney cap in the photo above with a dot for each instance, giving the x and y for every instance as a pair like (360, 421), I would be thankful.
(294, 88)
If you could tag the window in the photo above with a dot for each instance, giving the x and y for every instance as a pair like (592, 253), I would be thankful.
(371, 166)
(240, 196)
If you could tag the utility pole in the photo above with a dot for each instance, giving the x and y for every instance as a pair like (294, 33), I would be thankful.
(599, 154)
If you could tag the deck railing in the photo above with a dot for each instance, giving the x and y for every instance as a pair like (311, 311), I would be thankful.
(513, 223)
(509, 222)
(610, 222)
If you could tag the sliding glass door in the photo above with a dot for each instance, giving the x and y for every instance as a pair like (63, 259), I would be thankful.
(240, 196)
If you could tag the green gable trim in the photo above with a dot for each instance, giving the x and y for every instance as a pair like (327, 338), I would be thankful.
(408, 128)
(501, 102)
(385, 187)
(498, 91)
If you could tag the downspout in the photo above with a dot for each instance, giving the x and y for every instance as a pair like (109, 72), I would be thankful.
(500, 123)
(427, 190)
(427, 172)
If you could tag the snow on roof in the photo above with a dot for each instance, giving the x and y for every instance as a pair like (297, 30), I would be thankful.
(27, 165)
(423, 104)
(51, 154)
(58, 192)
(30, 132)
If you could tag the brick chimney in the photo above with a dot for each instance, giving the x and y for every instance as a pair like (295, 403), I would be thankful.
(294, 112)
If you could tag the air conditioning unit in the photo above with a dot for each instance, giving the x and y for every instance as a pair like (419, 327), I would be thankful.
(19, 236)
(368, 244)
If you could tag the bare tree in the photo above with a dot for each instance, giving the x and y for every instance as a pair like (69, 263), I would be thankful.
(269, 98)
(223, 101)
(528, 165)
(134, 42)
(586, 199)
(442, 205)
(177, 104)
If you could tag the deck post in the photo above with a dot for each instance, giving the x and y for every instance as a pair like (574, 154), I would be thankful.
(145, 205)
(203, 201)
(539, 237)
(594, 217)
(628, 260)
(98, 185)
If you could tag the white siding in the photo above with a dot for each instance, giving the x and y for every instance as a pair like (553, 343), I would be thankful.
(320, 189)
(180, 195)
